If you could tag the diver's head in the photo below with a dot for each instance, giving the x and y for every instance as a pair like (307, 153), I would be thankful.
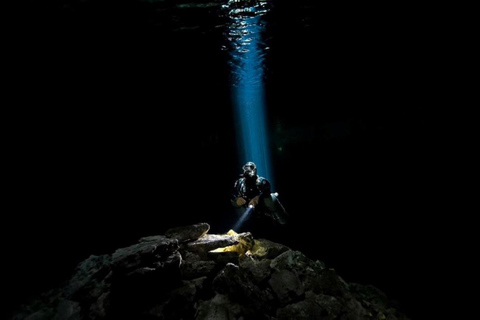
(249, 170)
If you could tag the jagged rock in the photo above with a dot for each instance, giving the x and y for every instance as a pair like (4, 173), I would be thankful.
(210, 242)
(188, 233)
(305, 270)
(219, 307)
(189, 256)
(40, 315)
(370, 293)
(199, 282)
(286, 286)
(354, 309)
(375, 302)
(332, 284)
(266, 249)
(196, 269)
(244, 243)
(259, 270)
(99, 309)
(87, 276)
(224, 257)
(242, 289)
(160, 278)
(311, 275)
(313, 307)
(179, 305)
(151, 273)
(193, 266)
(130, 258)
(68, 310)
(290, 260)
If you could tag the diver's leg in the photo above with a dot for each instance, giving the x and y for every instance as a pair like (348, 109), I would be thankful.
(274, 207)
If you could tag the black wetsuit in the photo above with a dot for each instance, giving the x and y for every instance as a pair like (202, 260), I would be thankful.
(268, 204)
(249, 188)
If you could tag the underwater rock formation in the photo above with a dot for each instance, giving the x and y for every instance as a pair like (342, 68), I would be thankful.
(190, 274)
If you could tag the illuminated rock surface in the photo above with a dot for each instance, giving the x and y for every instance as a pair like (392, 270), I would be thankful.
(213, 276)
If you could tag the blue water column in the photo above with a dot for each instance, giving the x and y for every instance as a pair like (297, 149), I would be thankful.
(248, 92)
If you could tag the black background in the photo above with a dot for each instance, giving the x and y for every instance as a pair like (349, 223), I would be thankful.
(121, 124)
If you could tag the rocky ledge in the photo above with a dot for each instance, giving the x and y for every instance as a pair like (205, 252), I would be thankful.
(188, 273)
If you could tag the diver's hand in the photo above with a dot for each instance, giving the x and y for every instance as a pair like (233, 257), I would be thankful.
(254, 201)
(240, 201)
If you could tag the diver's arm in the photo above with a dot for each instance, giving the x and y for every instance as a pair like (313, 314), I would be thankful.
(240, 201)
(264, 187)
(254, 201)
(237, 200)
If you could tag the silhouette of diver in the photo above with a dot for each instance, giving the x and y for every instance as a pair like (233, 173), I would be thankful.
(252, 195)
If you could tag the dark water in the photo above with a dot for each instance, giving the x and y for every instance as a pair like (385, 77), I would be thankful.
(123, 127)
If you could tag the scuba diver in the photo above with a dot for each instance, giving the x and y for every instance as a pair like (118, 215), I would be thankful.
(252, 193)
